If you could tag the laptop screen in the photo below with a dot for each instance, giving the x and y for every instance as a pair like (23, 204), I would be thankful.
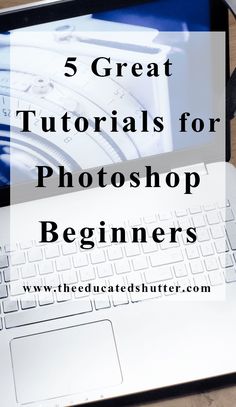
(158, 29)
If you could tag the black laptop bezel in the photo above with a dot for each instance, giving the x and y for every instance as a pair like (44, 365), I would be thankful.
(39, 13)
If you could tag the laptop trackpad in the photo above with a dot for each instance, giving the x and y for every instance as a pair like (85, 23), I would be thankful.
(64, 362)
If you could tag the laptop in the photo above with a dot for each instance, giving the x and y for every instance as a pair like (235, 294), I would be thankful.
(67, 347)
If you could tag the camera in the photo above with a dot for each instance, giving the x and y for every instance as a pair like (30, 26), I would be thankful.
(34, 78)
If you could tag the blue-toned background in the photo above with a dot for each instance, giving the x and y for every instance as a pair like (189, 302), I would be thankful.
(165, 15)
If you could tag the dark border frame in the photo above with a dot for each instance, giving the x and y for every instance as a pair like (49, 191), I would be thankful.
(166, 393)
(42, 13)
(36, 14)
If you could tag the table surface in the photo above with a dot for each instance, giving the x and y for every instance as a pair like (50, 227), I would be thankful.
(219, 398)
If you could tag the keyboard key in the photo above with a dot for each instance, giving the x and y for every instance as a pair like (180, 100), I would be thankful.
(166, 244)
(198, 220)
(46, 267)
(209, 207)
(149, 247)
(119, 298)
(227, 215)
(39, 244)
(12, 247)
(102, 301)
(52, 280)
(200, 280)
(215, 278)
(231, 233)
(1, 324)
(51, 251)
(181, 212)
(165, 215)
(54, 312)
(35, 254)
(230, 275)
(3, 291)
(26, 245)
(33, 282)
(45, 299)
(16, 288)
(195, 209)
(10, 306)
(17, 259)
(211, 263)
(166, 257)
(135, 279)
(28, 271)
(63, 296)
(97, 256)
(11, 274)
(202, 234)
(28, 302)
(196, 266)
(212, 218)
(158, 274)
(122, 266)
(114, 253)
(149, 219)
(140, 263)
(63, 263)
(226, 260)
(104, 270)
(132, 249)
(103, 245)
(80, 260)
(221, 246)
(224, 203)
(180, 270)
(87, 273)
(184, 223)
(207, 249)
(217, 231)
(69, 248)
(81, 293)
(69, 277)
(4, 261)
(192, 252)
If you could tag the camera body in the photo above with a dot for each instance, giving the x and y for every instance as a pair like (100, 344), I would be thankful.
(35, 75)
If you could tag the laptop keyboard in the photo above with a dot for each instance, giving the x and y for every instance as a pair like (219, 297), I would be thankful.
(211, 261)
